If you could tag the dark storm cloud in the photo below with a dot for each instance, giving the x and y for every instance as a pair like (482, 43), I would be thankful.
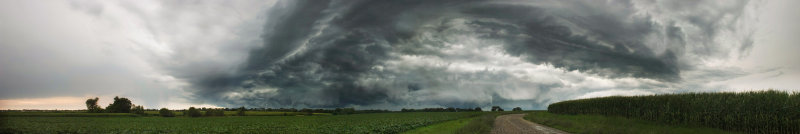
(555, 44)
(337, 53)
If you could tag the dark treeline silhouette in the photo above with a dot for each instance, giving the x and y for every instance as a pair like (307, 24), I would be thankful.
(124, 105)
(449, 109)
(164, 112)
(120, 105)
(497, 108)
(516, 109)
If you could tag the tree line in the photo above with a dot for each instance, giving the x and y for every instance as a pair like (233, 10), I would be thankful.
(124, 105)
(120, 105)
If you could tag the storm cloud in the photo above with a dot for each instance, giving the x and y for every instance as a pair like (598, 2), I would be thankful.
(415, 53)
(389, 54)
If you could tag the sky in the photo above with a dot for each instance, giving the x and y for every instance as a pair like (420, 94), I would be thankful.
(388, 54)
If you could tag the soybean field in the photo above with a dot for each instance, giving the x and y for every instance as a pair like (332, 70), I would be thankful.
(356, 123)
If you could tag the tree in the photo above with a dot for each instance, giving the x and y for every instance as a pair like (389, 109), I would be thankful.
(496, 108)
(516, 109)
(120, 105)
(164, 112)
(478, 109)
(92, 107)
(192, 112)
(138, 110)
(240, 111)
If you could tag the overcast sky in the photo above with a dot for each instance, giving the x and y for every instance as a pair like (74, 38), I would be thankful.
(388, 54)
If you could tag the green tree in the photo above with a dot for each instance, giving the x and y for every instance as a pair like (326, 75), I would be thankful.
(138, 110)
(164, 112)
(92, 107)
(193, 112)
(496, 108)
(120, 105)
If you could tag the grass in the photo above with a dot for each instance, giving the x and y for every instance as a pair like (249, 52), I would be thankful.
(449, 127)
(357, 123)
(611, 124)
(480, 125)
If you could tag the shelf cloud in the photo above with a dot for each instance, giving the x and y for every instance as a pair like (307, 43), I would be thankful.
(470, 53)
(391, 54)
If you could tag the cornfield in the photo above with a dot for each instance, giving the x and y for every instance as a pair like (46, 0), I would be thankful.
(751, 112)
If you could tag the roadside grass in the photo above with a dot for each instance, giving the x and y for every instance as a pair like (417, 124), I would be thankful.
(618, 125)
(480, 125)
(449, 127)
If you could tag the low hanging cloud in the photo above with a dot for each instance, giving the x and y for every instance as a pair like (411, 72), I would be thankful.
(417, 53)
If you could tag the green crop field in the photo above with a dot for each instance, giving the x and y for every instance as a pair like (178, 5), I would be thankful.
(598, 124)
(751, 112)
(357, 123)
(247, 113)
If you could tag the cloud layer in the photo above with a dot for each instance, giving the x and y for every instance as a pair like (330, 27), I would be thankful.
(389, 54)
(416, 53)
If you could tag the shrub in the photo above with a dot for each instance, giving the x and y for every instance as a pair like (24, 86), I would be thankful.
(164, 112)
(192, 112)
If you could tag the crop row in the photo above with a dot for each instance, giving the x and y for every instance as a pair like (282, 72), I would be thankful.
(358, 123)
(752, 112)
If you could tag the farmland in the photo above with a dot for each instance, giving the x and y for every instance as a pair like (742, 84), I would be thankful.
(357, 123)
(593, 123)
(751, 112)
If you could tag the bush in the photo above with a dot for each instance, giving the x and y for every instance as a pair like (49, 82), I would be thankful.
(164, 112)
(751, 112)
(192, 112)
(240, 112)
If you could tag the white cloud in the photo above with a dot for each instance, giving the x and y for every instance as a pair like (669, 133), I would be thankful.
(130, 49)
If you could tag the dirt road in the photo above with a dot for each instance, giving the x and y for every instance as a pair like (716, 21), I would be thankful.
(514, 124)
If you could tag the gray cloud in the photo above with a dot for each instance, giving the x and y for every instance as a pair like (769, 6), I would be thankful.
(376, 54)
(428, 53)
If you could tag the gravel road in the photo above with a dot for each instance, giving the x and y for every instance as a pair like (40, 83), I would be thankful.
(514, 124)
